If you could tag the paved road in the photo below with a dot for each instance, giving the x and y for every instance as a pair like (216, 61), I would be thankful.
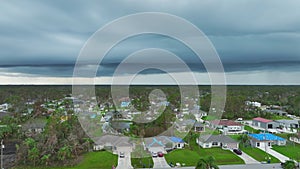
(160, 162)
(274, 153)
(248, 159)
(244, 166)
(124, 163)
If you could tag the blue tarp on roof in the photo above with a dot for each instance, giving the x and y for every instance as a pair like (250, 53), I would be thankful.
(176, 140)
(266, 136)
(125, 104)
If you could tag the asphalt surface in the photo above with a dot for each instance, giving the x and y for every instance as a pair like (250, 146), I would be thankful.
(244, 166)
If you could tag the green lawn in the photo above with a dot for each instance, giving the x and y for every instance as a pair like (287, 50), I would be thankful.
(235, 137)
(258, 154)
(142, 162)
(291, 150)
(251, 130)
(222, 157)
(188, 157)
(92, 160)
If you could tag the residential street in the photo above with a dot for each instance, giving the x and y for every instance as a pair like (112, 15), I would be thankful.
(160, 162)
(245, 166)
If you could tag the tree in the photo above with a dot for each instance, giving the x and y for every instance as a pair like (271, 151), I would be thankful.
(207, 163)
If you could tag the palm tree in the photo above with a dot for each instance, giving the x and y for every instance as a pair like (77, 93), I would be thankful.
(207, 163)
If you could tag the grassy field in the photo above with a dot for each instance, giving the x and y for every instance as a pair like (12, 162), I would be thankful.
(92, 160)
(258, 154)
(291, 150)
(142, 162)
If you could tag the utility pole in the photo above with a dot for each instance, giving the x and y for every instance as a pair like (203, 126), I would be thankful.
(2, 147)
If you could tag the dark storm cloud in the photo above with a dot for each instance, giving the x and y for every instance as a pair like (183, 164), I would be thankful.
(250, 33)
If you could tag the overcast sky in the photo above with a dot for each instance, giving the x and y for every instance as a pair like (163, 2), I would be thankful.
(257, 41)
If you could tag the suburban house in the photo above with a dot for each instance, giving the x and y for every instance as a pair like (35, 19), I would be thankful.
(254, 104)
(228, 127)
(295, 138)
(264, 123)
(199, 127)
(34, 126)
(288, 124)
(184, 125)
(277, 112)
(163, 143)
(4, 107)
(266, 140)
(114, 143)
(223, 141)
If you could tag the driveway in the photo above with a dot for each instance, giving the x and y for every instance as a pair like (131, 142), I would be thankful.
(160, 162)
(124, 163)
(247, 159)
(274, 153)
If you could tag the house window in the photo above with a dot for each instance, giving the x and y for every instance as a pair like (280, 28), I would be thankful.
(178, 145)
(257, 144)
(269, 144)
(215, 143)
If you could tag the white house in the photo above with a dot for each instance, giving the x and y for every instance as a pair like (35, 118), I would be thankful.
(163, 143)
(254, 104)
(228, 127)
(266, 140)
(295, 138)
(223, 141)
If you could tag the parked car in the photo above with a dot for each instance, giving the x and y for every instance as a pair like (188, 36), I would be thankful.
(154, 154)
(237, 151)
(160, 154)
(122, 155)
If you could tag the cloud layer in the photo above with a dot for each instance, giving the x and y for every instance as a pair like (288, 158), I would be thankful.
(44, 38)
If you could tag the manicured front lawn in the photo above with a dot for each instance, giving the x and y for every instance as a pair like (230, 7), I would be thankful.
(258, 154)
(291, 150)
(92, 160)
(192, 153)
(142, 162)
(188, 157)
(223, 157)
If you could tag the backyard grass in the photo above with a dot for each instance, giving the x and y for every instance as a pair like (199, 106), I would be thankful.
(146, 162)
(92, 160)
(235, 137)
(258, 154)
(251, 130)
(291, 150)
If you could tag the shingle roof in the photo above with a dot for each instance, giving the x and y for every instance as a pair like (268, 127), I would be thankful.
(216, 138)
